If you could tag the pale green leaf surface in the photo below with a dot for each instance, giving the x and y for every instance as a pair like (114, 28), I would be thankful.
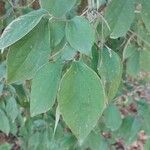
(44, 88)
(146, 13)
(120, 15)
(81, 99)
(144, 111)
(143, 34)
(58, 8)
(95, 141)
(125, 130)
(19, 27)
(129, 51)
(110, 70)
(112, 117)
(135, 128)
(145, 60)
(57, 32)
(4, 123)
(80, 34)
(29, 54)
(68, 52)
(133, 64)
(129, 129)
(12, 109)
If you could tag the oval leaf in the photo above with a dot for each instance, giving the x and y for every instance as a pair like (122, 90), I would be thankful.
(20, 27)
(29, 54)
(112, 117)
(57, 33)
(110, 70)
(44, 88)
(81, 99)
(80, 34)
(120, 15)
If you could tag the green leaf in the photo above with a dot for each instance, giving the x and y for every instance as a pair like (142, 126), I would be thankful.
(29, 54)
(14, 127)
(80, 34)
(120, 15)
(57, 32)
(125, 129)
(95, 141)
(112, 117)
(143, 112)
(129, 129)
(110, 70)
(44, 88)
(58, 8)
(11, 108)
(81, 99)
(68, 52)
(135, 128)
(129, 51)
(19, 27)
(143, 34)
(145, 60)
(133, 64)
(146, 13)
(4, 123)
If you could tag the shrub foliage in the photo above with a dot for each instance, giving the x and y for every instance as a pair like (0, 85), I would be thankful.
(74, 74)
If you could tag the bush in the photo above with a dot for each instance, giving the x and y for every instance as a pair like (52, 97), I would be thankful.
(74, 74)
